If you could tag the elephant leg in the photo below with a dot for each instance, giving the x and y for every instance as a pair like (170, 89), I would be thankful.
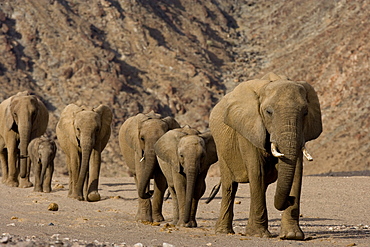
(74, 170)
(93, 178)
(228, 188)
(258, 220)
(290, 228)
(198, 193)
(180, 188)
(25, 182)
(37, 174)
(144, 212)
(12, 161)
(175, 206)
(47, 179)
(160, 186)
(4, 164)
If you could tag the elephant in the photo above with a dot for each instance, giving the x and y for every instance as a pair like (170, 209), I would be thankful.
(137, 137)
(42, 152)
(184, 156)
(260, 130)
(83, 134)
(23, 118)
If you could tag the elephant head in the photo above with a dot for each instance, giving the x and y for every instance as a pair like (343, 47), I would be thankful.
(27, 116)
(146, 130)
(279, 116)
(190, 153)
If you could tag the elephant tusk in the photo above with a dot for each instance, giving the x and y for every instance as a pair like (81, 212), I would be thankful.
(306, 154)
(275, 152)
(142, 158)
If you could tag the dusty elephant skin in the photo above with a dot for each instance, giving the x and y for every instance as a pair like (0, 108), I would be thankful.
(83, 135)
(185, 156)
(260, 130)
(137, 137)
(42, 152)
(23, 118)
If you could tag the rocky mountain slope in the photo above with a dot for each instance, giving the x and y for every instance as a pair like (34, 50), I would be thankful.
(179, 57)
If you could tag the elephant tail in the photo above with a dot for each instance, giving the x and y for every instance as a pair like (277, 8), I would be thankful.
(214, 192)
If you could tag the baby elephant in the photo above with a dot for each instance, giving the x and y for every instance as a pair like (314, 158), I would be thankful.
(184, 156)
(42, 152)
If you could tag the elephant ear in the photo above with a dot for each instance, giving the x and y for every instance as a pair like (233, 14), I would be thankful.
(41, 117)
(106, 117)
(132, 132)
(66, 121)
(171, 122)
(313, 125)
(242, 112)
(211, 153)
(9, 120)
(166, 147)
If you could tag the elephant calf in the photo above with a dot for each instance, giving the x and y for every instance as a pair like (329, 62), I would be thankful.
(42, 152)
(184, 156)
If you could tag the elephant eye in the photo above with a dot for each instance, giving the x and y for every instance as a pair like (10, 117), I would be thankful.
(305, 113)
(142, 138)
(269, 111)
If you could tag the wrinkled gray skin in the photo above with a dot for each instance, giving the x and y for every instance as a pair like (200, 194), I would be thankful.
(42, 152)
(137, 137)
(83, 134)
(23, 118)
(184, 156)
(244, 124)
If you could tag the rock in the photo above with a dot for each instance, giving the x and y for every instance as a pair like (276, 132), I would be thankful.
(53, 207)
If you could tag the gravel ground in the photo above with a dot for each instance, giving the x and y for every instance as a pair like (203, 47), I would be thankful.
(335, 212)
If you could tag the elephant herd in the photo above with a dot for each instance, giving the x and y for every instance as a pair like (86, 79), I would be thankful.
(257, 134)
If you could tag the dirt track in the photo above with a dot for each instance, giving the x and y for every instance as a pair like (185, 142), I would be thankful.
(335, 212)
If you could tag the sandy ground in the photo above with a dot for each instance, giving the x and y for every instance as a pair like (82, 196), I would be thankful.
(335, 212)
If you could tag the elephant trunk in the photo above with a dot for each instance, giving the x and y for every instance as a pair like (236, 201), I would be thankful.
(149, 161)
(44, 163)
(24, 140)
(290, 146)
(191, 175)
(86, 149)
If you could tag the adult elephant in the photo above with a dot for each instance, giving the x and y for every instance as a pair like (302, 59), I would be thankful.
(83, 134)
(260, 130)
(23, 118)
(137, 137)
(184, 156)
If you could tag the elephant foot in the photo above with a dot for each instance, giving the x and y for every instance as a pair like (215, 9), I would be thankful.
(143, 219)
(37, 189)
(257, 231)
(47, 190)
(75, 196)
(93, 196)
(224, 229)
(174, 222)
(190, 224)
(12, 183)
(25, 183)
(291, 232)
(158, 218)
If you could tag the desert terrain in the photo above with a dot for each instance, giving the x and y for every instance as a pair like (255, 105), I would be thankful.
(334, 212)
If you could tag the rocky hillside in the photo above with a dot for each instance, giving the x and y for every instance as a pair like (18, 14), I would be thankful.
(179, 57)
